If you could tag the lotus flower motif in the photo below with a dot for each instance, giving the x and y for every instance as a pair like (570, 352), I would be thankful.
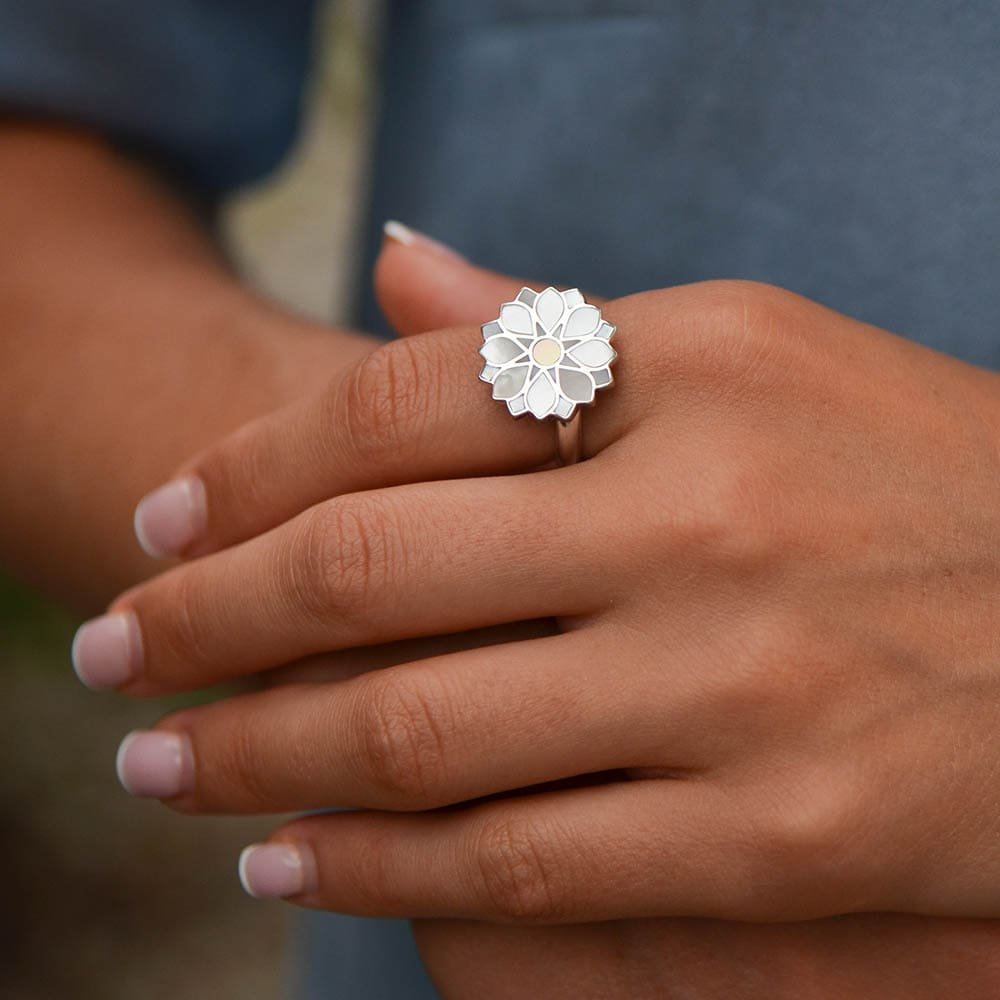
(547, 353)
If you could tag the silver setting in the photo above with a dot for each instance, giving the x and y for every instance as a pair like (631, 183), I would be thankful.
(547, 354)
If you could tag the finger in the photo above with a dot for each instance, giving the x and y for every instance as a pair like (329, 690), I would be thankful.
(421, 285)
(418, 736)
(411, 411)
(605, 852)
(424, 559)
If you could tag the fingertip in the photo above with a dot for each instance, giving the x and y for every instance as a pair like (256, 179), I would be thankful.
(172, 517)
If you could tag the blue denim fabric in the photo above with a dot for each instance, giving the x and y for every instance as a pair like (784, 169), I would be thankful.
(211, 88)
(849, 151)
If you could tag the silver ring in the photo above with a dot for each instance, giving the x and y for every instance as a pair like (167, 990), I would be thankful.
(547, 354)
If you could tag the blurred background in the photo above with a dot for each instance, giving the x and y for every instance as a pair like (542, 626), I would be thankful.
(104, 896)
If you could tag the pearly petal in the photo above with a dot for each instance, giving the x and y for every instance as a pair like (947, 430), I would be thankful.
(564, 408)
(602, 377)
(541, 396)
(582, 321)
(509, 383)
(527, 296)
(517, 406)
(593, 353)
(488, 373)
(550, 308)
(500, 350)
(572, 298)
(515, 317)
(578, 386)
(606, 331)
(491, 329)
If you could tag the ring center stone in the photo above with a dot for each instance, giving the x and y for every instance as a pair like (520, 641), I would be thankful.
(546, 351)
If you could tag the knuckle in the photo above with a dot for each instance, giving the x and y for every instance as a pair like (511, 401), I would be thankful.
(806, 840)
(405, 734)
(731, 516)
(517, 868)
(184, 633)
(387, 398)
(339, 561)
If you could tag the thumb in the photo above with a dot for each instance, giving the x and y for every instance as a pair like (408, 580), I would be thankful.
(423, 285)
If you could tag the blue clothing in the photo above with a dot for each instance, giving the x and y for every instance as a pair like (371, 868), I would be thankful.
(848, 151)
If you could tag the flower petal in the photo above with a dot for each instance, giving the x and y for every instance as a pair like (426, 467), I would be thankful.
(572, 298)
(515, 317)
(488, 373)
(606, 331)
(500, 350)
(564, 408)
(517, 406)
(550, 308)
(578, 386)
(527, 296)
(582, 321)
(593, 353)
(602, 377)
(509, 383)
(491, 329)
(541, 396)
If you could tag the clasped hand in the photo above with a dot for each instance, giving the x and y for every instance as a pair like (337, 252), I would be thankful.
(775, 669)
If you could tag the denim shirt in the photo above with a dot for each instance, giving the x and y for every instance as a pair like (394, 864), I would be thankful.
(848, 151)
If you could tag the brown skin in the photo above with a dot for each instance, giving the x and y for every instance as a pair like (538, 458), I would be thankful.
(105, 276)
(126, 343)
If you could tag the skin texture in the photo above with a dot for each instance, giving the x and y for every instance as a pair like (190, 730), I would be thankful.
(127, 344)
(794, 565)
(107, 276)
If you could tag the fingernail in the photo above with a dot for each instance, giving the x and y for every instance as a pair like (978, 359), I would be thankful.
(277, 871)
(107, 651)
(154, 765)
(170, 518)
(411, 238)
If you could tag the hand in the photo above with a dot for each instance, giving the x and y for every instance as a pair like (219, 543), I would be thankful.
(783, 673)
(864, 957)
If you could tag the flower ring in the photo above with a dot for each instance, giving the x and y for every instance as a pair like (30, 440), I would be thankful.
(547, 353)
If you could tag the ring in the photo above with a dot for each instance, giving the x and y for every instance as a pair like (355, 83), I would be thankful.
(547, 354)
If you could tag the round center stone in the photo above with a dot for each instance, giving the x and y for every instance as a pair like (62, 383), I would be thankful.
(546, 351)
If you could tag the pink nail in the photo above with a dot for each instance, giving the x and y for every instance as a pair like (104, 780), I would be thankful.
(155, 765)
(107, 651)
(277, 871)
(170, 518)
(411, 238)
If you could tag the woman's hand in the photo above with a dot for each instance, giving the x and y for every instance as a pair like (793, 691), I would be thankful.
(777, 579)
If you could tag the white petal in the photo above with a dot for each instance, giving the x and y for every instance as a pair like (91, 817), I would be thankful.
(517, 406)
(602, 377)
(572, 298)
(541, 396)
(564, 408)
(582, 320)
(606, 331)
(515, 317)
(550, 308)
(578, 386)
(593, 353)
(509, 383)
(500, 350)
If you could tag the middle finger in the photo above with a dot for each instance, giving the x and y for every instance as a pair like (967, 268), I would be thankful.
(423, 559)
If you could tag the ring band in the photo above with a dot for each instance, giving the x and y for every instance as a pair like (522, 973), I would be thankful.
(548, 353)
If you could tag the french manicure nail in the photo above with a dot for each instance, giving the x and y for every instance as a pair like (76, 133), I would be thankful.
(411, 238)
(277, 871)
(107, 651)
(155, 765)
(170, 518)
